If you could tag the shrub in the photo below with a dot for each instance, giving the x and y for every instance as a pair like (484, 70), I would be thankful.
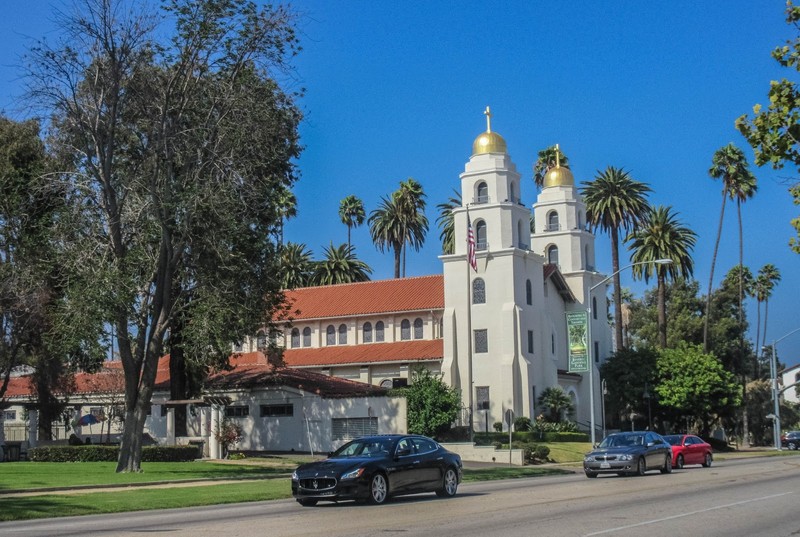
(98, 453)
(522, 423)
(498, 426)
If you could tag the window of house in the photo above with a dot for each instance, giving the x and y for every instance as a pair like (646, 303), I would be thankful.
(528, 293)
(552, 221)
(9, 415)
(483, 193)
(478, 291)
(366, 332)
(237, 411)
(277, 411)
(330, 335)
(418, 328)
(342, 334)
(405, 329)
(306, 337)
(552, 255)
(295, 338)
(482, 397)
(261, 342)
(350, 428)
(481, 340)
(238, 347)
(379, 331)
(530, 341)
(480, 235)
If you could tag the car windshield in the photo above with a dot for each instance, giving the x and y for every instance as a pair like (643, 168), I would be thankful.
(367, 447)
(622, 440)
(674, 439)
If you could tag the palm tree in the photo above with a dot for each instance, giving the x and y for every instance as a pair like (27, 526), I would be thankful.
(287, 208)
(739, 183)
(614, 202)
(296, 265)
(340, 266)
(446, 222)
(548, 158)
(351, 212)
(555, 401)
(662, 236)
(771, 276)
(398, 221)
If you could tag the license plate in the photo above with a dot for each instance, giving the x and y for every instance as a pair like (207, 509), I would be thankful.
(605, 465)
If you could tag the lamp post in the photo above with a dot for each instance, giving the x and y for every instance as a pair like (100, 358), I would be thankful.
(646, 395)
(590, 345)
(776, 407)
(603, 392)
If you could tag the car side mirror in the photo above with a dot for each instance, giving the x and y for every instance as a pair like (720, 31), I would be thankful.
(403, 452)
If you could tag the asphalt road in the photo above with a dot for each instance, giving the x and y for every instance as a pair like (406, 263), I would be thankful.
(746, 497)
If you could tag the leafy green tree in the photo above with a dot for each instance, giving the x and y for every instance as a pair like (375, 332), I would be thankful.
(626, 374)
(178, 149)
(446, 222)
(695, 384)
(685, 306)
(556, 401)
(297, 267)
(662, 236)
(432, 405)
(340, 265)
(774, 133)
(400, 220)
(548, 158)
(351, 213)
(615, 202)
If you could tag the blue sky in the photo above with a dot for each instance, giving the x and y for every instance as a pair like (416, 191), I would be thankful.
(397, 90)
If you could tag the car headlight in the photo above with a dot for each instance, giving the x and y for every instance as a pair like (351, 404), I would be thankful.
(627, 457)
(294, 476)
(588, 458)
(354, 474)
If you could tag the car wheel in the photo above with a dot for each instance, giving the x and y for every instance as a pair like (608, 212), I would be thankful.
(707, 460)
(449, 484)
(680, 462)
(641, 467)
(792, 446)
(591, 474)
(378, 489)
(307, 503)
(667, 468)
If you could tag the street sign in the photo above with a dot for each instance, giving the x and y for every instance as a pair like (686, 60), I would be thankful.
(509, 418)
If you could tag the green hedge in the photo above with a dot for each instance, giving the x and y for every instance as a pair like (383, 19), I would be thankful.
(488, 439)
(92, 453)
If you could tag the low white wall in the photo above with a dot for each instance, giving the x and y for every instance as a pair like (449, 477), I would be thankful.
(471, 452)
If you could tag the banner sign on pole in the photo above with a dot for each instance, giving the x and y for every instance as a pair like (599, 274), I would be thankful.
(577, 322)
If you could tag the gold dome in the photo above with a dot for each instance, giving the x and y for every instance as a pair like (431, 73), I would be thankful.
(489, 142)
(559, 176)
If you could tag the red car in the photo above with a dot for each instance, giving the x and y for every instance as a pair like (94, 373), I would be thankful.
(689, 449)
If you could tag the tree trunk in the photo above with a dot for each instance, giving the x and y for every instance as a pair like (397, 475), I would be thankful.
(742, 358)
(618, 344)
(711, 276)
(397, 249)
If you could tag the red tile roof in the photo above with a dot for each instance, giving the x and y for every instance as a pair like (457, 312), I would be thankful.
(364, 298)
(402, 351)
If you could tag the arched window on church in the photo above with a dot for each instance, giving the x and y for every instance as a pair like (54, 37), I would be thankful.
(594, 307)
(306, 337)
(522, 240)
(552, 255)
(342, 334)
(367, 332)
(295, 338)
(482, 193)
(330, 335)
(514, 198)
(417, 328)
(379, 332)
(478, 291)
(405, 329)
(552, 221)
(528, 293)
(480, 235)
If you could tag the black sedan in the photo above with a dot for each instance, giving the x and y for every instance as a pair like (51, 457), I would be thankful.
(629, 453)
(374, 468)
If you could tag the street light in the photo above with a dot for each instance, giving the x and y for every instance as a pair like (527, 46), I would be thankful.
(776, 407)
(590, 345)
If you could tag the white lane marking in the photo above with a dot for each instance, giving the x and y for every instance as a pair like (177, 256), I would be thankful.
(656, 521)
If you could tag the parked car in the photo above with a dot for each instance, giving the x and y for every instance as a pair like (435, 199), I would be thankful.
(629, 453)
(375, 468)
(689, 449)
(791, 440)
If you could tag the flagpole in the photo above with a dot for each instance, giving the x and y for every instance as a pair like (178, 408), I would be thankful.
(470, 239)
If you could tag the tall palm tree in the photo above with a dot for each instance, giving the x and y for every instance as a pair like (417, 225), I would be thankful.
(351, 212)
(548, 158)
(398, 221)
(738, 182)
(615, 202)
(287, 208)
(446, 222)
(662, 236)
(340, 265)
(296, 265)
(771, 276)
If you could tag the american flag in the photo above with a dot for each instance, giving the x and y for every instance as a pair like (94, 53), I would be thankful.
(473, 261)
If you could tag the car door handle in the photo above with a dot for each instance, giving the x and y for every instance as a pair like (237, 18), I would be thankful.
(416, 462)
